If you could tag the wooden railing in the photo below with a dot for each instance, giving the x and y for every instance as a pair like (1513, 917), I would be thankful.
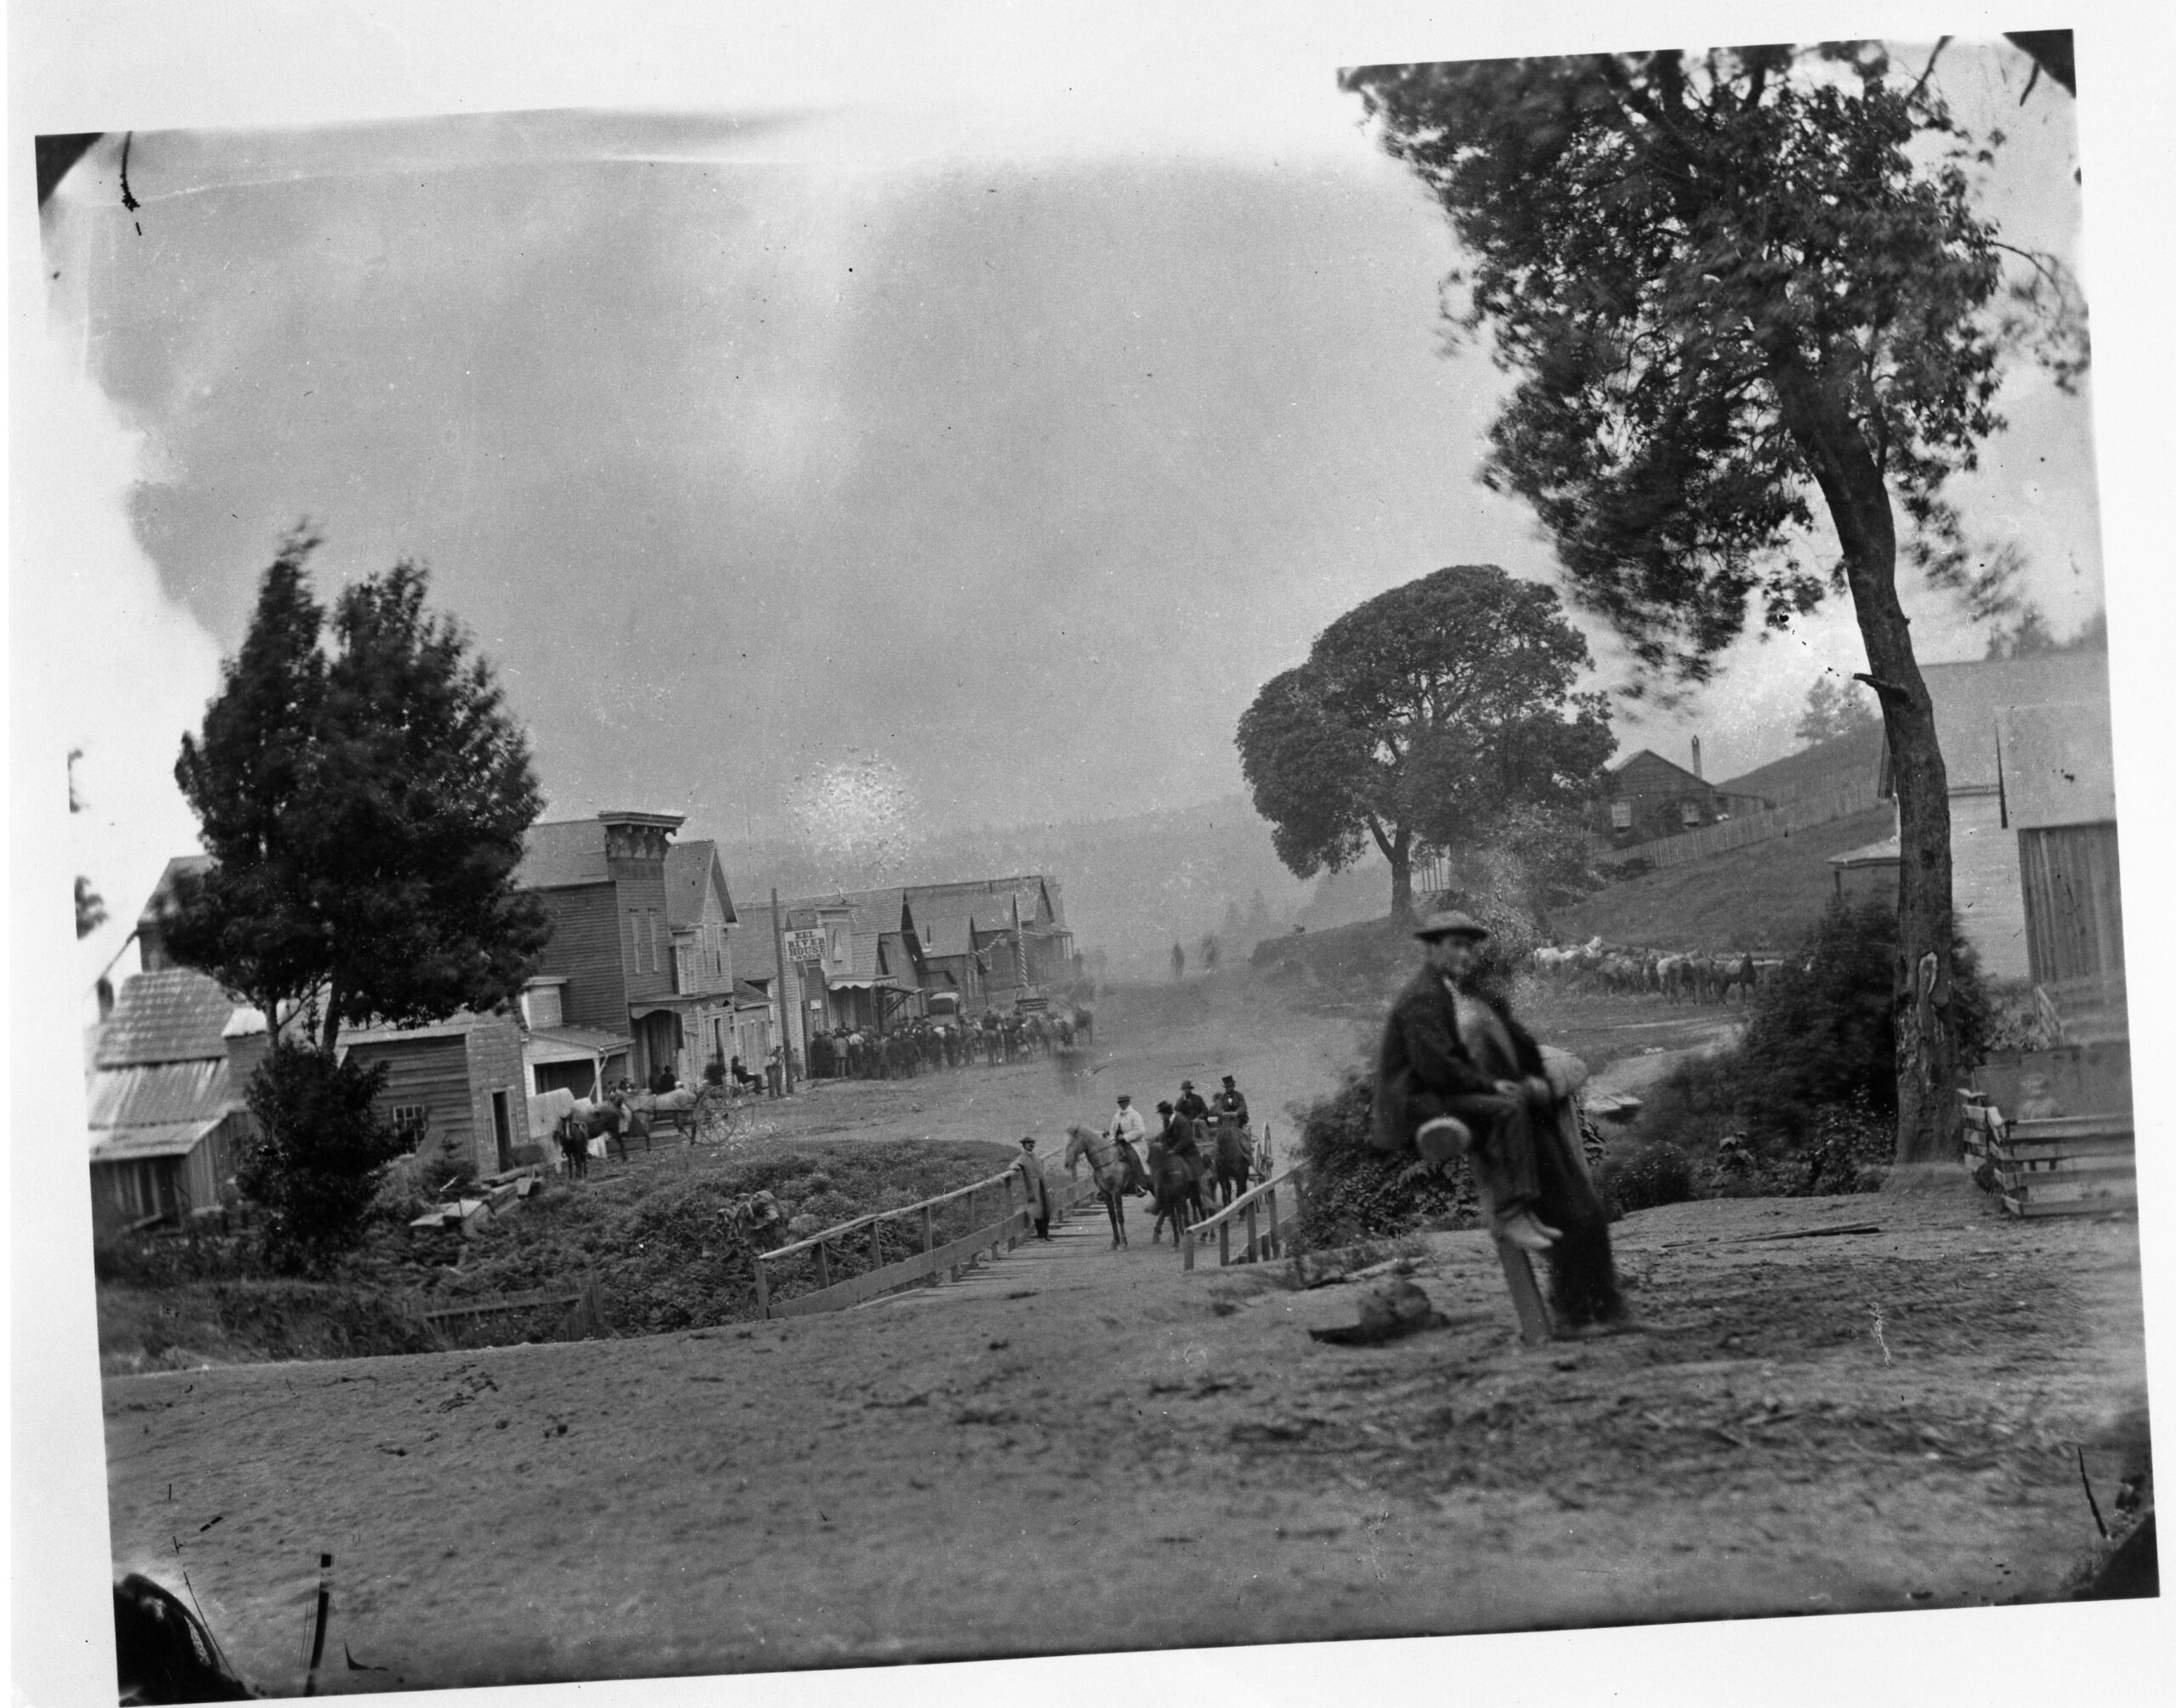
(1252, 1205)
(1001, 1233)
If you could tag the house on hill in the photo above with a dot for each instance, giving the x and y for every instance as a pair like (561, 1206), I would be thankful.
(1644, 797)
(1971, 703)
(640, 948)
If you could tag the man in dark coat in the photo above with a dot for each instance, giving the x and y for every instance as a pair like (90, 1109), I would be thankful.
(1452, 1056)
(1191, 1104)
(1033, 1187)
(1230, 1105)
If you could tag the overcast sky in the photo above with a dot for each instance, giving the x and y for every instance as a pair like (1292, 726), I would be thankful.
(1013, 455)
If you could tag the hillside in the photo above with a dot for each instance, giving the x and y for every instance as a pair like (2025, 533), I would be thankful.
(1849, 756)
(1763, 896)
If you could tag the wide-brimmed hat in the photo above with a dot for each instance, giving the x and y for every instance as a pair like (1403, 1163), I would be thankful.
(1186, 1085)
(1450, 924)
(1163, 1109)
(1029, 1141)
(1125, 1097)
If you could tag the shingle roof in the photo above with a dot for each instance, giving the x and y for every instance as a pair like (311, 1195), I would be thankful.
(173, 1015)
(688, 866)
(161, 1092)
(565, 852)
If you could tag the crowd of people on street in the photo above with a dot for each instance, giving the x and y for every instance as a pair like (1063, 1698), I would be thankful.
(925, 1045)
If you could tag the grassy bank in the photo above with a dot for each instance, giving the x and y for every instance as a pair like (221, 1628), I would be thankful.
(657, 1238)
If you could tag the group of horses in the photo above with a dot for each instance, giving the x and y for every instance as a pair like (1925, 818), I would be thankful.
(622, 1114)
(1188, 1164)
(1697, 976)
(925, 1045)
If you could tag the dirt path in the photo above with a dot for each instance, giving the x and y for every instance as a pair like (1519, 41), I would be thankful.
(1813, 1424)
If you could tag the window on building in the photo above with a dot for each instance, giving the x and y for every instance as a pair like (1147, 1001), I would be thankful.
(684, 967)
(1620, 815)
(1689, 811)
(412, 1122)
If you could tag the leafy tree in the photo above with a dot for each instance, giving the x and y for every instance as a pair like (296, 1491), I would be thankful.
(364, 810)
(1729, 282)
(364, 807)
(1834, 709)
(1421, 719)
(1211, 952)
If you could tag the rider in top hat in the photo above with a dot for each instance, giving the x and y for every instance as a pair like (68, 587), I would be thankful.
(1230, 1105)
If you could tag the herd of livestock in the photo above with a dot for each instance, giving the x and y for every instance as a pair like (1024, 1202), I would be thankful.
(1696, 977)
(925, 1045)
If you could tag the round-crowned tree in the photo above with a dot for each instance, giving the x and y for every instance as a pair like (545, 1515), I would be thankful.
(1427, 717)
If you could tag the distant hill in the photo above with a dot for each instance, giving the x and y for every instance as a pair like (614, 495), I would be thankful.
(1812, 768)
(1764, 895)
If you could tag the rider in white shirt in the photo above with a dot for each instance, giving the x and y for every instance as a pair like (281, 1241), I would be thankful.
(1131, 1132)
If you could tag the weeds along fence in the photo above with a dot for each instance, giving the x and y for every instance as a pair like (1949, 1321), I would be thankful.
(1815, 806)
(880, 1252)
(1268, 1233)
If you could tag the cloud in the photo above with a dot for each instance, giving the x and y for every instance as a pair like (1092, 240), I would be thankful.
(120, 670)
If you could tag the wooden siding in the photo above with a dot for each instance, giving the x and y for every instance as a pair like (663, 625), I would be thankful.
(645, 957)
(1985, 885)
(2073, 901)
(584, 950)
(432, 1072)
(495, 1065)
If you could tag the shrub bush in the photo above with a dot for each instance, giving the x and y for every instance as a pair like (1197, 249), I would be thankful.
(1357, 1192)
(1822, 1033)
(313, 1168)
(1649, 1178)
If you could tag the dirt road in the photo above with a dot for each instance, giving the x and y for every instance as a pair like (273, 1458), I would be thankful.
(1848, 1421)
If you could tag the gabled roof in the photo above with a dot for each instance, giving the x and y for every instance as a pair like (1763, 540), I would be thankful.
(1968, 696)
(688, 866)
(173, 1015)
(162, 899)
(1825, 764)
(1618, 767)
(563, 853)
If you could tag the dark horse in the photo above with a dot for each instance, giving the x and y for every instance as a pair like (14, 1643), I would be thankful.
(1235, 1161)
(1178, 1191)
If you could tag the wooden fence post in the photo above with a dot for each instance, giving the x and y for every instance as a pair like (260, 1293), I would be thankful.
(1188, 1237)
(877, 1243)
(762, 1286)
(822, 1267)
(928, 1230)
(1223, 1244)
(1254, 1250)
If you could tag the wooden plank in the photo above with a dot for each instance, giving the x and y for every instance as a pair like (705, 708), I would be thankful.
(2073, 1127)
(2107, 1188)
(854, 1289)
(2097, 1205)
(530, 1301)
(1534, 1326)
(2083, 1145)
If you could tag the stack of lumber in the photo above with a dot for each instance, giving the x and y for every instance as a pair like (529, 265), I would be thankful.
(2060, 1165)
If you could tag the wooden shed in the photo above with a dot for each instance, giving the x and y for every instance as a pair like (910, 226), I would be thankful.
(2059, 795)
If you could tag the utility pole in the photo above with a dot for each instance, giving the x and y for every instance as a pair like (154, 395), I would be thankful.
(785, 1014)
